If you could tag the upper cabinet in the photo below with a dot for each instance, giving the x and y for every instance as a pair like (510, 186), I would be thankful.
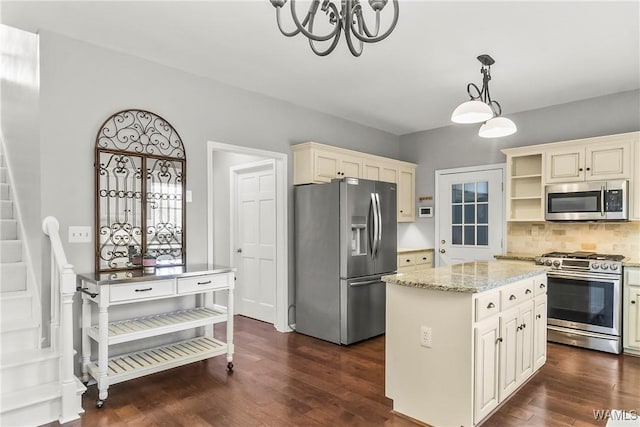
(592, 161)
(320, 163)
(530, 168)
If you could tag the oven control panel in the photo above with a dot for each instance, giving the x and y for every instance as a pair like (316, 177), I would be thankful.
(567, 264)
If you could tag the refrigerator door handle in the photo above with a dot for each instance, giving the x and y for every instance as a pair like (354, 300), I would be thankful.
(379, 222)
(368, 282)
(376, 225)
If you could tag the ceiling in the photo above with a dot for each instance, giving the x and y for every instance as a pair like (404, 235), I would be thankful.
(546, 52)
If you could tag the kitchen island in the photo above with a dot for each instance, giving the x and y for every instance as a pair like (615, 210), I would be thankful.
(461, 339)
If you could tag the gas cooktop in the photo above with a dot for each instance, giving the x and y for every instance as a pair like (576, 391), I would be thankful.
(583, 255)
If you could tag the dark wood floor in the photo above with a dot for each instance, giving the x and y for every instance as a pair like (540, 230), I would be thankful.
(294, 380)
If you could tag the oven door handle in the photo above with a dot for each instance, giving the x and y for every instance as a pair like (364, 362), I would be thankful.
(584, 277)
(602, 201)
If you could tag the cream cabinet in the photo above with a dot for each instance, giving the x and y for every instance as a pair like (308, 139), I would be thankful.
(530, 168)
(320, 163)
(414, 259)
(631, 310)
(592, 161)
(509, 341)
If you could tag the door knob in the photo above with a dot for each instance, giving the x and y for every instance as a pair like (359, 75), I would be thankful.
(442, 251)
(239, 250)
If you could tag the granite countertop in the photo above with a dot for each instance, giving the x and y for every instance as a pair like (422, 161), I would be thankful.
(471, 277)
(631, 262)
(517, 256)
(409, 250)
(161, 272)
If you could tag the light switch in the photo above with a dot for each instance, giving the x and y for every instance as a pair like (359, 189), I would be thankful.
(80, 234)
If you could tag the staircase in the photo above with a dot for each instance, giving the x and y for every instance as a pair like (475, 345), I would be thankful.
(31, 377)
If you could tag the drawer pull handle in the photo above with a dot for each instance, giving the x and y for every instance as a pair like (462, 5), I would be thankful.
(424, 258)
(538, 316)
(204, 283)
(633, 302)
(144, 290)
(407, 260)
(542, 286)
(527, 292)
(491, 305)
(499, 340)
(512, 297)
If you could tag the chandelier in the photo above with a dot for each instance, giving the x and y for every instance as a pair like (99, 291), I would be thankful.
(348, 18)
(481, 108)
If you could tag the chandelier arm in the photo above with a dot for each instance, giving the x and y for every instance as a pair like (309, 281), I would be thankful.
(310, 18)
(386, 33)
(357, 10)
(472, 85)
(330, 49)
(496, 108)
(288, 33)
(349, 29)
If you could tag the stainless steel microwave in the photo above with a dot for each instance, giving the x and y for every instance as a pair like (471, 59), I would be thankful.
(587, 201)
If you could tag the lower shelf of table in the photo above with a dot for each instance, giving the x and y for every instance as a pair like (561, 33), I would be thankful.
(145, 362)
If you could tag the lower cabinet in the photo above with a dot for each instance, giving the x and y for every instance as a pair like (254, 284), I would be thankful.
(631, 310)
(410, 260)
(510, 345)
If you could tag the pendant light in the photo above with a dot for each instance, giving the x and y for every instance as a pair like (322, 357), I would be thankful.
(481, 108)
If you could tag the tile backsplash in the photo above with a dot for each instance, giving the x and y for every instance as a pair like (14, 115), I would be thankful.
(608, 238)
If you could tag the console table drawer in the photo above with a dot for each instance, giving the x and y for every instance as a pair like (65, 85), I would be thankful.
(188, 285)
(142, 290)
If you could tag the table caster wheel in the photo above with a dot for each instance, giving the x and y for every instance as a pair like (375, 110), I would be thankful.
(230, 366)
(99, 403)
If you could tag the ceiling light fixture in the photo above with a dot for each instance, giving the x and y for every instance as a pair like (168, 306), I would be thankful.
(481, 108)
(349, 19)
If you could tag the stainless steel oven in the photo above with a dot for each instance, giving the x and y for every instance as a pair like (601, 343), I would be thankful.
(584, 300)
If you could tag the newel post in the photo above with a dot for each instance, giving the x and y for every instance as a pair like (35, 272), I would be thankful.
(69, 410)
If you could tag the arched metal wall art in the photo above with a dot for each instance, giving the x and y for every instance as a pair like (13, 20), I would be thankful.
(140, 167)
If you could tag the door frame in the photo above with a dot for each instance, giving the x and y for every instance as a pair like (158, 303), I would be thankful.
(234, 173)
(481, 168)
(282, 216)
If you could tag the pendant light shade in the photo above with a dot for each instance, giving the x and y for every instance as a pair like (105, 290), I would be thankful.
(482, 108)
(497, 127)
(472, 112)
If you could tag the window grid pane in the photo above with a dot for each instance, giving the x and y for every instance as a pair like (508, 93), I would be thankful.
(470, 214)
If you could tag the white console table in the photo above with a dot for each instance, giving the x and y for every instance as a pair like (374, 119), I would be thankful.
(100, 291)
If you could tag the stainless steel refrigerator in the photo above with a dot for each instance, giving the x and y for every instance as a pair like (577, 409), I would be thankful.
(345, 240)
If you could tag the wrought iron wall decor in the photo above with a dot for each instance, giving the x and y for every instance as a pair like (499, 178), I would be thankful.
(140, 170)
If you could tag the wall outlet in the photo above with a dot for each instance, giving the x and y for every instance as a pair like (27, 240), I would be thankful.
(79, 234)
(425, 336)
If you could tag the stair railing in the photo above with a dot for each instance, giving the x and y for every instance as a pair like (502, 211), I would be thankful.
(63, 288)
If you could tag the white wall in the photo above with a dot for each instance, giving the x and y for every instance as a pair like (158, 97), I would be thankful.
(459, 145)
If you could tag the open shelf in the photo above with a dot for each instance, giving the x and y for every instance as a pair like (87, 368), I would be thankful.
(165, 323)
(535, 175)
(145, 362)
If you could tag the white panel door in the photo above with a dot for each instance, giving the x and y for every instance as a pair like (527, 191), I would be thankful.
(255, 239)
(470, 216)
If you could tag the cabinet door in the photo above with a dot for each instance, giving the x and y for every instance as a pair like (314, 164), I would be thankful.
(508, 352)
(565, 165)
(406, 195)
(486, 347)
(350, 167)
(540, 332)
(371, 170)
(388, 174)
(326, 166)
(525, 342)
(608, 161)
(632, 318)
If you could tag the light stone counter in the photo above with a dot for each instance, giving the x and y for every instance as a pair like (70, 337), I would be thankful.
(631, 262)
(470, 277)
(516, 256)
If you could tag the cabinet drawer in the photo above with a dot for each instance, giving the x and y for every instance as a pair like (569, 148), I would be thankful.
(487, 305)
(517, 293)
(540, 285)
(203, 283)
(142, 290)
(424, 257)
(632, 276)
(406, 259)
